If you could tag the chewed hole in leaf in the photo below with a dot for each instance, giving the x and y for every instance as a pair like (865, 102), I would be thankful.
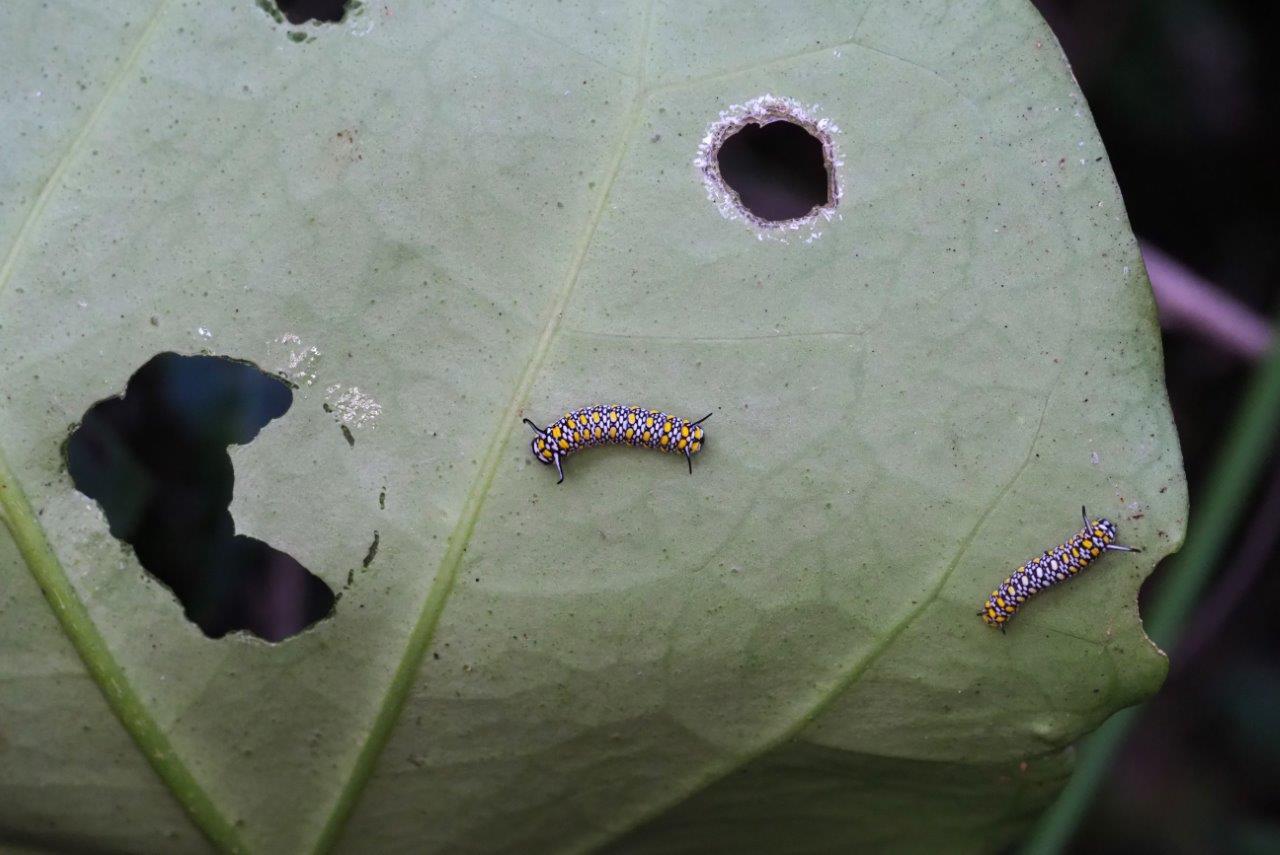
(321, 11)
(777, 170)
(156, 461)
(772, 163)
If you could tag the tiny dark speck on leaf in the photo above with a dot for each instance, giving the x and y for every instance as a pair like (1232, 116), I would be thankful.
(327, 407)
(348, 436)
(373, 550)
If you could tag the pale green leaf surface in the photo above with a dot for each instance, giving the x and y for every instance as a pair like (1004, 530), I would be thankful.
(71, 779)
(477, 211)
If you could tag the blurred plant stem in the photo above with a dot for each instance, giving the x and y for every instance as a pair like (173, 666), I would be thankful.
(1248, 562)
(1189, 302)
(1231, 482)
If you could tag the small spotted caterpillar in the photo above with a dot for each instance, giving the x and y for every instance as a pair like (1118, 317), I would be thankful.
(1053, 566)
(614, 424)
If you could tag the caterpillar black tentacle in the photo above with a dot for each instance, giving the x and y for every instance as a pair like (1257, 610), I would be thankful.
(1051, 567)
(615, 424)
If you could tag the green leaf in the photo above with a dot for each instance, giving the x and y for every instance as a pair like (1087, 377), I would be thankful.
(477, 212)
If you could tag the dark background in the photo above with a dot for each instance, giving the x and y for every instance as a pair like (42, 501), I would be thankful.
(1185, 96)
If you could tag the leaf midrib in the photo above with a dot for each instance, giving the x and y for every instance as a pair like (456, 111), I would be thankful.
(442, 584)
(24, 527)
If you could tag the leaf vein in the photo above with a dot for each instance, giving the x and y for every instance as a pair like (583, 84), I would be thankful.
(43, 564)
(847, 680)
(54, 180)
(442, 585)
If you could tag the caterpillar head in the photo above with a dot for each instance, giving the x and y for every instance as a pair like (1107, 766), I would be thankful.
(1103, 529)
(541, 448)
(697, 436)
(697, 439)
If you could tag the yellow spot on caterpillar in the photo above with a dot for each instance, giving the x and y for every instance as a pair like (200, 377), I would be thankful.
(684, 430)
(595, 418)
(695, 446)
(666, 440)
(645, 436)
(577, 436)
(682, 443)
(631, 418)
(556, 432)
(613, 433)
(564, 445)
(666, 426)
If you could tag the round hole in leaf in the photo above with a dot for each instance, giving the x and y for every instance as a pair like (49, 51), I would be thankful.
(773, 163)
(778, 170)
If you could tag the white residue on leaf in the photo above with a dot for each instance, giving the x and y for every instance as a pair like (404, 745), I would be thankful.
(204, 332)
(301, 361)
(352, 407)
(361, 18)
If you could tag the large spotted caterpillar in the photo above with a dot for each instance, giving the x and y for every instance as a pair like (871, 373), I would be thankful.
(614, 424)
(1051, 567)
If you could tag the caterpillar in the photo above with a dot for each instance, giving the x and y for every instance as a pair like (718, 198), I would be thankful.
(1051, 567)
(614, 424)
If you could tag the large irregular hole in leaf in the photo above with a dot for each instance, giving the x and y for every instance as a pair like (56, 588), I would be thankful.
(778, 170)
(155, 459)
(321, 11)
